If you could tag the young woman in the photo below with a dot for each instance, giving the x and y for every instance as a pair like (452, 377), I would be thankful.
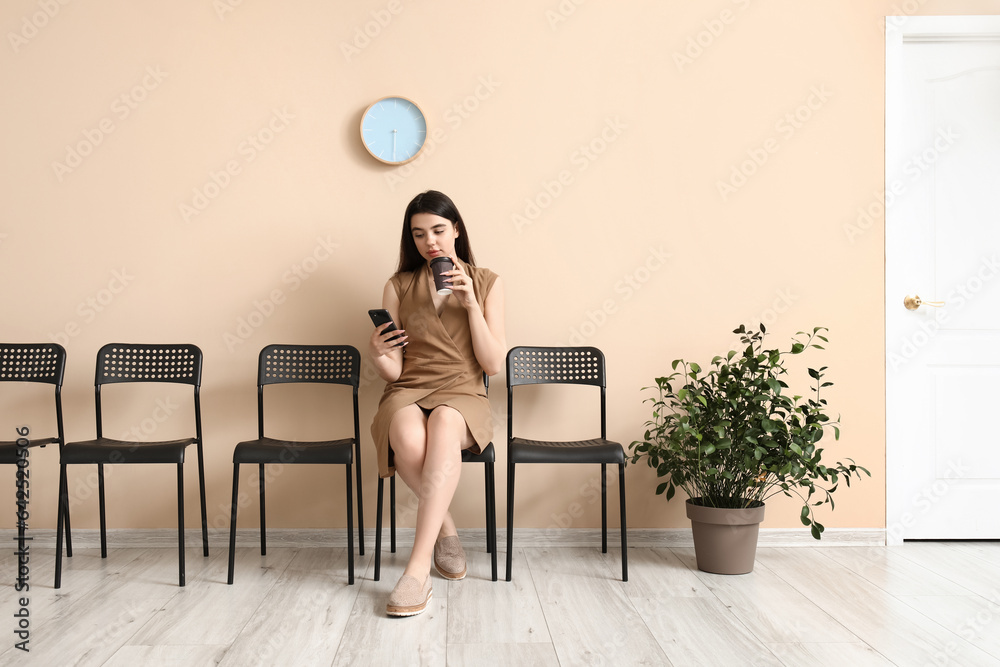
(434, 404)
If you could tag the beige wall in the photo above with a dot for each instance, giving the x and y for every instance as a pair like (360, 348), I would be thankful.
(638, 251)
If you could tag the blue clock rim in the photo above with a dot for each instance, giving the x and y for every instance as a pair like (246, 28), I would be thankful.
(362, 129)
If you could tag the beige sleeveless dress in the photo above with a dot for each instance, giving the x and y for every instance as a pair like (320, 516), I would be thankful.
(439, 363)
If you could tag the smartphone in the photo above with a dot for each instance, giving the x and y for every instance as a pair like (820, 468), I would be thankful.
(379, 317)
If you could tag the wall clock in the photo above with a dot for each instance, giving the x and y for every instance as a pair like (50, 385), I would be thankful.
(393, 129)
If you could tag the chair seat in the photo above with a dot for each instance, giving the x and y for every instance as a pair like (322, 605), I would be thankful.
(596, 450)
(269, 450)
(8, 450)
(488, 455)
(107, 450)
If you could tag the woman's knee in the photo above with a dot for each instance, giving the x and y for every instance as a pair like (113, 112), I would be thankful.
(408, 433)
(446, 424)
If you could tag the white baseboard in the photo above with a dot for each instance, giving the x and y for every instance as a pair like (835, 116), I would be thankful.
(523, 537)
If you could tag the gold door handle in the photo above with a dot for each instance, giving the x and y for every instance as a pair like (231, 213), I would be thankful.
(913, 302)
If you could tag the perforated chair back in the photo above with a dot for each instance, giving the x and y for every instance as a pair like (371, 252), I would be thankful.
(136, 362)
(44, 363)
(32, 362)
(335, 364)
(126, 362)
(294, 364)
(555, 365)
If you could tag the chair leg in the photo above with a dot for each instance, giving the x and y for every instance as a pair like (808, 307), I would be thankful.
(263, 528)
(361, 511)
(232, 523)
(204, 510)
(180, 522)
(378, 529)
(604, 508)
(69, 540)
(63, 505)
(350, 528)
(104, 525)
(392, 513)
(621, 492)
(493, 506)
(491, 518)
(510, 516)
(486, 493)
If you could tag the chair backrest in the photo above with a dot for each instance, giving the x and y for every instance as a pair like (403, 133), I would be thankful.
(326, 364)
(555, 365)
(32, 362)
(332, 364)
(36, 362)
(551, 365)
(126, 362)
(137, 362)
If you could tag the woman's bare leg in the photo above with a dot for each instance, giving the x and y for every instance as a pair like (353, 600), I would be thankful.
(428, 457)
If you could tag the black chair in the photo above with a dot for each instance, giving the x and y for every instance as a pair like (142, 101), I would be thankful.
(44, 363)
(298, 364)
(488, 458)
(562, 365)
(122, 363)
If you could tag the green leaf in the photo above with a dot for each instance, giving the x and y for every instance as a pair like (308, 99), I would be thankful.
(797, 348)
(695, 367)
(804, 516)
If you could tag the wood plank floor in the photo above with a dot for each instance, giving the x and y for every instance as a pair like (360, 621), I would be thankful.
(917, 604)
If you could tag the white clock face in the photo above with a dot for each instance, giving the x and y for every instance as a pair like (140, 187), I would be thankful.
(393, 130)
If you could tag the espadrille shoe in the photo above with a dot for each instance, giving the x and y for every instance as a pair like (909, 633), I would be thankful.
(449, 558)
(409, 598)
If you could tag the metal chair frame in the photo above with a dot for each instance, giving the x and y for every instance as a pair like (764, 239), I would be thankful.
(42, 363)
(562, 365)
(302, 364)
(119, 363)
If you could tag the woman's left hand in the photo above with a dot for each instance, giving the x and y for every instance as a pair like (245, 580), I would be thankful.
(461, 286)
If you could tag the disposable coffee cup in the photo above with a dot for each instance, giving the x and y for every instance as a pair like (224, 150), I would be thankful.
(439, 265)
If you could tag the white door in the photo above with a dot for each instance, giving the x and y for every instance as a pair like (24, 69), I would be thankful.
(942, 208)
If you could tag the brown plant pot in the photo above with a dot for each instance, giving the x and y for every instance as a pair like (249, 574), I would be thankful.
(725, 540)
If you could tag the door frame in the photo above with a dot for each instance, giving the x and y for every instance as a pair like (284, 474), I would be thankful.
(900, 29)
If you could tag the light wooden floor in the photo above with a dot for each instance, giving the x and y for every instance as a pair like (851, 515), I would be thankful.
(918, 604)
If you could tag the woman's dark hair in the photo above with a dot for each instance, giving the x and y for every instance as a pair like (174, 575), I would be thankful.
(439, 204)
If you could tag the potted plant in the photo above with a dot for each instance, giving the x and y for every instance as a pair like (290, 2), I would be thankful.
(731, 436)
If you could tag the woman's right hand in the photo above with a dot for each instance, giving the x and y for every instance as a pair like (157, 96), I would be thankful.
(380, 345)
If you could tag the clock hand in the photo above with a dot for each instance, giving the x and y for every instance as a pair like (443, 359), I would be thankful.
(394, 145)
